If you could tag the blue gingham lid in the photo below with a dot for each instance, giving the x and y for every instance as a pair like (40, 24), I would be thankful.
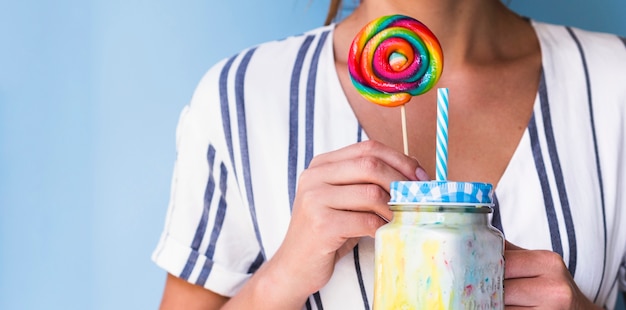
(441, 192)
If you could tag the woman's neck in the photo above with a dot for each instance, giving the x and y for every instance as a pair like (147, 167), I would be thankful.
(470, 31)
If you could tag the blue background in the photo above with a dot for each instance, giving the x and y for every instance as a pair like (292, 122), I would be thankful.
(90, 93)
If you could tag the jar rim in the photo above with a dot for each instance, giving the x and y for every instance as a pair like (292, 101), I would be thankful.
(441, 192)
(440, 207)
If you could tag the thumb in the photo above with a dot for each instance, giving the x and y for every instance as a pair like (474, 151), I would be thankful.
(510, 246)
(346, 247)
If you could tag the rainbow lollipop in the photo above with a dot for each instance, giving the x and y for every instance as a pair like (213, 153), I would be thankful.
(392, 59)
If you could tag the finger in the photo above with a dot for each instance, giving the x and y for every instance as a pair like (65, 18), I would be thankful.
(361, 170)
(350, 224)
(324, 224)
(510, 246)
(526, 263)
(407, 166)
(359, 197)
(549, 292)
(520, 292)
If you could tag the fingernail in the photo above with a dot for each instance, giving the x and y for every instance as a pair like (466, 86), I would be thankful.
(421, 174)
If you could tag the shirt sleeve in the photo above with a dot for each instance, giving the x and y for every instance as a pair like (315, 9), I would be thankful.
(208, 238)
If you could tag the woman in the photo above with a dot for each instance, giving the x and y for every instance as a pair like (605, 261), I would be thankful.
(283, 169)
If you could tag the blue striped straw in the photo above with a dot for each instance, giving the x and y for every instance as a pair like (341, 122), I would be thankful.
(442, 134)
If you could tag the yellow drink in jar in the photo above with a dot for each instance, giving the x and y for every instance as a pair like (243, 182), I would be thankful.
(439, 251)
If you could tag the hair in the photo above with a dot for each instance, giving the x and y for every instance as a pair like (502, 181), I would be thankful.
(333, 9)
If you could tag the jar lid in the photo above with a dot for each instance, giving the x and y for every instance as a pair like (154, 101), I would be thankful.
(441, 193)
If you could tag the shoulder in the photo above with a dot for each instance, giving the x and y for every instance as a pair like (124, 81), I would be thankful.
(598, 49)
(560, 34)
(599, 59)
(268, 63)
(260, 75)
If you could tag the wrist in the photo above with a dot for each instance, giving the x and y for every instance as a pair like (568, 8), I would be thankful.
(279, 286)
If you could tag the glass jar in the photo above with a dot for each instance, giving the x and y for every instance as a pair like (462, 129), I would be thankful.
(439, 251)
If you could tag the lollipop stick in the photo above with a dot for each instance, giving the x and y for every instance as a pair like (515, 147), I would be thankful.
(442, 134)
(405, 138)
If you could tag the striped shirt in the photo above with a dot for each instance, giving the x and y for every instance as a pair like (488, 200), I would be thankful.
(258, 118)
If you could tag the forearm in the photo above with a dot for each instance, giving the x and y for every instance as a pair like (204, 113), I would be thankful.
(269, 288)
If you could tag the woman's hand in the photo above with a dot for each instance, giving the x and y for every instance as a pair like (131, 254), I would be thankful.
(539, 279)
(341, 197)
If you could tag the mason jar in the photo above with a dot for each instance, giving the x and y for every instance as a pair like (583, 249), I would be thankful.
(439, 251)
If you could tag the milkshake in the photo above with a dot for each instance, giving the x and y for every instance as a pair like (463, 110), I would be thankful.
(439, 251)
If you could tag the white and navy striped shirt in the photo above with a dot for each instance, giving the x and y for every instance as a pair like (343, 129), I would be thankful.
(258, 118)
